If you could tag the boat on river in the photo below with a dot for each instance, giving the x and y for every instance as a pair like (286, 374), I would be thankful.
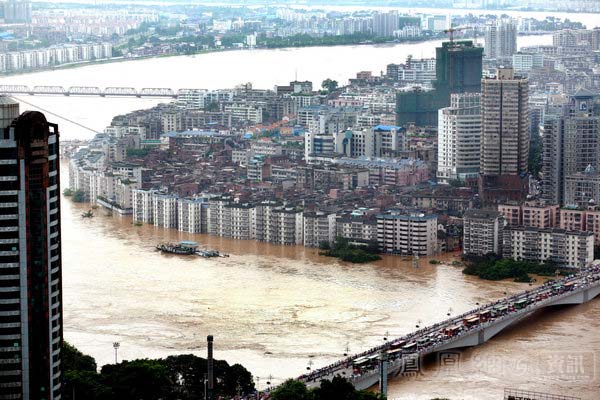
(210, 254)
(182, 248)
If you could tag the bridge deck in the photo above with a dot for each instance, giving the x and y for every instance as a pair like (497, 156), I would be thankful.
(93, 91)
(469, 329)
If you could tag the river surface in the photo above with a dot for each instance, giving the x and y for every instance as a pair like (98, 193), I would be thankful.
(263, 68)
(275, 309)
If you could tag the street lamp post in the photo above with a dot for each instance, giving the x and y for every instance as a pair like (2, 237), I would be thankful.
(116, 346)
(310, 364)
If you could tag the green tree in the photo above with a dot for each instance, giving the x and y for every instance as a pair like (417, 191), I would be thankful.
(329, 85)
(336, 389)
(74, 360)
(138, 379)
(85, 385)
(291, 390)
(237, 380)
(79, 196)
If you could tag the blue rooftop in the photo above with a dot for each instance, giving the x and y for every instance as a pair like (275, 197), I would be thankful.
(388, 128)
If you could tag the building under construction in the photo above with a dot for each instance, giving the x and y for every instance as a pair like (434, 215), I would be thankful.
(458, 70)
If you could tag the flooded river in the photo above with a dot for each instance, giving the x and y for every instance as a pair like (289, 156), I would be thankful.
(277, 310)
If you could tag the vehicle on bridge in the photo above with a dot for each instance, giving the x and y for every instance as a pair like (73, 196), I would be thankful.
(499, 311)
(469, 329)
(423, 342)
(394, 354)
(365, 363)
(471, 321)
(452, 331)
(485, 315)
(397, 345)
(410, 347)
(521, 304)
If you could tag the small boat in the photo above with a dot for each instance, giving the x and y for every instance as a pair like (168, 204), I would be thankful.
(88, 214)
(210, 254)
(183, 248)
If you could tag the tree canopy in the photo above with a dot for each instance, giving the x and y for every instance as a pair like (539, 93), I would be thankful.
(173, 378)
(336, 389)
(329, 85)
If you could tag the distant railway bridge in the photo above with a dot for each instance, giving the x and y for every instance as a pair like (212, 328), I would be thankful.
(112, 91)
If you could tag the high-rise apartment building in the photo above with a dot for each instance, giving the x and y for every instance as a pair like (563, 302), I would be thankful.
(459, 138)
(501, 39)
(482, 232)
(384, 24)
(17, 11)
(30, 258)
(571, 144)
(505, 124)
(407, 233)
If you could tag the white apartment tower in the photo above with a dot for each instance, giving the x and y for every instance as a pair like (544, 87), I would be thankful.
(459, 138)
(501, 39)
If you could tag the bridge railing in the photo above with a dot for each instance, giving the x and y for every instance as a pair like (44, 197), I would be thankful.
(528, 309)
(94, 91)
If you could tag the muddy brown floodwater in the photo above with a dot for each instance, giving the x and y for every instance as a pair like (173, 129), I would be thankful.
(275, 309)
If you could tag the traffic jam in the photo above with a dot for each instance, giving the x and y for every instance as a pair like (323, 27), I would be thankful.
(427, 340)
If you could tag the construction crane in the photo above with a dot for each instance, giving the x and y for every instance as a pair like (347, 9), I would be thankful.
(450, 31)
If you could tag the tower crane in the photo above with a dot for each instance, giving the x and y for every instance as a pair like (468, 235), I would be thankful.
(450, 31)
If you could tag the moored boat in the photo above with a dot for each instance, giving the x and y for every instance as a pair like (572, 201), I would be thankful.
(183, 248)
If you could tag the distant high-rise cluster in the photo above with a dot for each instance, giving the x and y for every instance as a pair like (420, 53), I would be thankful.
(501, 39)
(385, 24)
(16, 11)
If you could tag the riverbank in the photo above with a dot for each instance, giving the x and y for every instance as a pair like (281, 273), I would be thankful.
(119, 60)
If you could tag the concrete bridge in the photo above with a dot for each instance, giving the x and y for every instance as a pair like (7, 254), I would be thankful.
(93, 91)
(470, 329)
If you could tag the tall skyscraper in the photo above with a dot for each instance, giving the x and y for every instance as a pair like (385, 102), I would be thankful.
(501, 39)
(505, 124)
(459, 138)
(30, 259)
(571, 143)
(458, 70)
